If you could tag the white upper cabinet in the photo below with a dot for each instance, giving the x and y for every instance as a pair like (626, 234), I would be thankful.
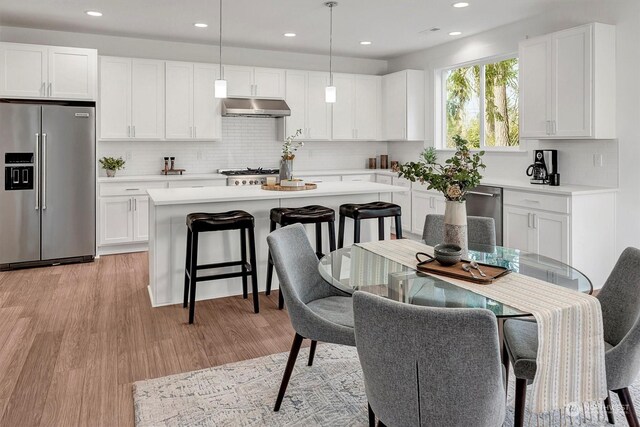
(567, 84)
(192, 112)
(254, 82)
(131, 98)
(207, 110)
(35, 71)
(357, 110)
(309, 111)
(344, 107)
(403, 106)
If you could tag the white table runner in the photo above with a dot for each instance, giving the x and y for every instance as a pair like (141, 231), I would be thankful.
(570, 359)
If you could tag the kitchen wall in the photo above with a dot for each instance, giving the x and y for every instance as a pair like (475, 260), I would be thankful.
(620, 157)
(246, 142)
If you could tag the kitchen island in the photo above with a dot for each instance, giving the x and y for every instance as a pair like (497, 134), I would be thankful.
(168, 208)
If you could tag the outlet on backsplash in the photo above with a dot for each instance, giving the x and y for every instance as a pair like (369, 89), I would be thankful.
(597, 160)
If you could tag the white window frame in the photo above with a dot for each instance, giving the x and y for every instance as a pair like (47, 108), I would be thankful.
(440, 121)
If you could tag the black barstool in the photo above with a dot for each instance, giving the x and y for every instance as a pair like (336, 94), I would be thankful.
(205, 222)
(358, 212)
(313, 214)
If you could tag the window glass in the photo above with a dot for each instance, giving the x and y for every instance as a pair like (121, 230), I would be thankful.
(481, 104)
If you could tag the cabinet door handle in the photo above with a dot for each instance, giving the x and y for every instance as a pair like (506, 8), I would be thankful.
(129, 204)
(528, 220)
(554, 129)
(195, 131)
(535, 218)
(133, 128)
(129, 131)
(50, 88)
(135, 204)
(132, 189)
(43, 89)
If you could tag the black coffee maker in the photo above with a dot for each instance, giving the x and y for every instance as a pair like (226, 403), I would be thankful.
(544, 167)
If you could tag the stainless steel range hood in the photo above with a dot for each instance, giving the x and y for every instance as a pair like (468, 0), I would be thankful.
(241, 107)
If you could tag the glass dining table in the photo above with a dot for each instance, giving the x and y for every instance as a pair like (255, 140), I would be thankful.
(355, 268)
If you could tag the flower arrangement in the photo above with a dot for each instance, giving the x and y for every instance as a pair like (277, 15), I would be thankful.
(290, 146)
(111, 163)
(455, 178)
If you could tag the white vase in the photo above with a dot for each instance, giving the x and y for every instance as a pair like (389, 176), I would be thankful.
(111, 173)
(455, 224)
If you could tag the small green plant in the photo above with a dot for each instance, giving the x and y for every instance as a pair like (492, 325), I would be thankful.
(111, 163)
(455, 178)
(289, 148)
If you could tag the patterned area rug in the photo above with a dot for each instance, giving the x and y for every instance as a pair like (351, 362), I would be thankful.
(329, 393)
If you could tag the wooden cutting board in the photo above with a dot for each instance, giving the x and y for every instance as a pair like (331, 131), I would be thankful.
(278, 187)
(455, 271)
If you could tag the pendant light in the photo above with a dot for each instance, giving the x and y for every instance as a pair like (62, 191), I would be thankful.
(330, 91)
(220, 87)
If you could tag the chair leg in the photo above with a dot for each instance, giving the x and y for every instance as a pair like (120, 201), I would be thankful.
(280, 300)
(243, 249)
(521, 396)
(505, 362)
(272, 227)
(194, 275)
(372, 417)
(319, 240)
(398, 227)
(609, 409)
(312, 352)
(341, 232)
(627, 404)
(380, 228)
(293, 354)
(356, 231)
(254, 272)
(332, 236)
(187, 265)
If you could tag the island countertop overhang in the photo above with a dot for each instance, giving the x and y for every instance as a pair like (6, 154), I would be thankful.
(180, 196)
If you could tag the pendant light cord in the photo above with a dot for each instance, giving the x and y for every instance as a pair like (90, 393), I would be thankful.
(220, 42)
(330, 44)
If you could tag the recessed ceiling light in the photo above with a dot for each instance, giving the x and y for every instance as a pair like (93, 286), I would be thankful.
(200, 25)
(455, 33)
(289, 34)
(460, 4)
(365, 43)
(93, 13)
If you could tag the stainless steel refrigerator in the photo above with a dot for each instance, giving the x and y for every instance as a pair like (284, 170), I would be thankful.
(47, 198)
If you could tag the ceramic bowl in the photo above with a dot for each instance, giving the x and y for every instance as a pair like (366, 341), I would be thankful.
(447, 253)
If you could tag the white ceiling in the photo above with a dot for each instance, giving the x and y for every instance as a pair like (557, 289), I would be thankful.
(394, 26)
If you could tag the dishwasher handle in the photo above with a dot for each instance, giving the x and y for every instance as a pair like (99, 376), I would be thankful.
(478, 193)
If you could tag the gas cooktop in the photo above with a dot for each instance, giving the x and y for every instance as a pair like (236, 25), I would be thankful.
(248, 171)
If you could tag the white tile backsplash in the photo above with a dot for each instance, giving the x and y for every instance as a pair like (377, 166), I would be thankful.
(246, 142)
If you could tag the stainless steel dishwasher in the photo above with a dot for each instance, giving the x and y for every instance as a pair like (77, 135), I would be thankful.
(487, 201)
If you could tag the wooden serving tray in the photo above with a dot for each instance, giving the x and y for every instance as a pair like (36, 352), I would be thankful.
(456, 272)
(278, 187)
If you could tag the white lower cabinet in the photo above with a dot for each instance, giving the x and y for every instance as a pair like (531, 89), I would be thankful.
(384, 179)
(116, 221)
(403, 199)
(424, 203)
(578, 230)
(124, 219)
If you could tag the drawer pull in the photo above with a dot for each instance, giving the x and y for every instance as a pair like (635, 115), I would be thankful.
(132, 189)
(531, 201)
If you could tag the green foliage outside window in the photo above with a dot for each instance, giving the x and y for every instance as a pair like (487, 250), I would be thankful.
(499, 112)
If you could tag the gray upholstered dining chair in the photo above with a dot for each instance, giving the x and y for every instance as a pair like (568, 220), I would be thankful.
(620, 302)
(429, 366)
(317, 310)
(480, 230)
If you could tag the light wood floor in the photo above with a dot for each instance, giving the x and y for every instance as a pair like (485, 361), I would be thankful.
(74, 338)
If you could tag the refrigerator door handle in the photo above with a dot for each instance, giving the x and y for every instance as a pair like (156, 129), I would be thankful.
(36, 177)
(44, 171)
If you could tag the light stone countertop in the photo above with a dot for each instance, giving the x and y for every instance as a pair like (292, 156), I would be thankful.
(182, 196)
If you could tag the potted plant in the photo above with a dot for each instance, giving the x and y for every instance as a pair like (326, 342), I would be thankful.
(288, 154)
(111, 165)
(454, 179)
